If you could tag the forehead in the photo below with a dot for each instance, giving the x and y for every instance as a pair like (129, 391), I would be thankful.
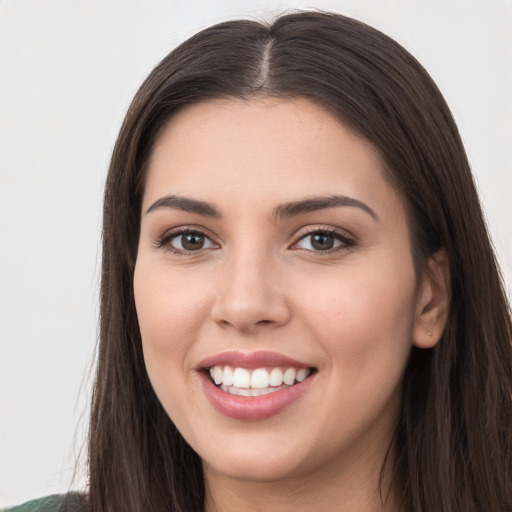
(272, 149)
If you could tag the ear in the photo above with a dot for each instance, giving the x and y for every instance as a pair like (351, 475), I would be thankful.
(433, 301)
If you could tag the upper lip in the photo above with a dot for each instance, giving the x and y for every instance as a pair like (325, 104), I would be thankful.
(251, 360)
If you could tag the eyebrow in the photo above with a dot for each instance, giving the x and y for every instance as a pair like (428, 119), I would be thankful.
(320, 203)
(283, 211)
(186, 204)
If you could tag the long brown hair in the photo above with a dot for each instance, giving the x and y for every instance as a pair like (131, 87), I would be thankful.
(452, 445)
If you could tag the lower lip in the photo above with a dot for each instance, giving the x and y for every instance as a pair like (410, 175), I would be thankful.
(252, 408)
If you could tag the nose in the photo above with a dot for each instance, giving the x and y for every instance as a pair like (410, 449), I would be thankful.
(250, 295)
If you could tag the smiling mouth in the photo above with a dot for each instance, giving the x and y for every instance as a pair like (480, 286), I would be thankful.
(256, 381)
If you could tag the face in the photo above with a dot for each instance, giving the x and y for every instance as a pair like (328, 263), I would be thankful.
(275, 289)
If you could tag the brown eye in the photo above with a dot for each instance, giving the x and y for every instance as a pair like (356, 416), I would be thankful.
(188, 241)
(322, 242)
(192, 242)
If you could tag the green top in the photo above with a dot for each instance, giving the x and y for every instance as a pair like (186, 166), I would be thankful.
(48, 504)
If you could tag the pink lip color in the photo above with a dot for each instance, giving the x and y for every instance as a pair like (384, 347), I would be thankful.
(252, 408)
(251, 361)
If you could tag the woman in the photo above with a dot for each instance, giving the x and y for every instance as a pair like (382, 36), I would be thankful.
(300, 306)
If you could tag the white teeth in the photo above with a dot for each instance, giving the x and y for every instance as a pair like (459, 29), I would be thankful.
(289, 376)
(241, 378)
(276, 377)
(259, 378)
(266, 391)
(250, 392)
(218, 374)
(258, 381)
(228, 376)
(302, 374)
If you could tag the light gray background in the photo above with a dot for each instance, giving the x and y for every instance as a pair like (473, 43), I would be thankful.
(67, 73)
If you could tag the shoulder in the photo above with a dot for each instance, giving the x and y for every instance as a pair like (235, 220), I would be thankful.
(54, 503)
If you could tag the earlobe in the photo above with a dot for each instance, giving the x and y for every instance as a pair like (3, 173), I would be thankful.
(433, 301)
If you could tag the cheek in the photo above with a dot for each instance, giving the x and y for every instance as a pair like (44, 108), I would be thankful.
(168, 321)
(364, 318)
(166, 309)
(363, 324)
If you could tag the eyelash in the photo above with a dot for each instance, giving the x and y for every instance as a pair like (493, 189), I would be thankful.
(347, 241)
(165, 241)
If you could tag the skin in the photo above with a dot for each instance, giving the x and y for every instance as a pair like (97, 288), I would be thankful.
(258, 284)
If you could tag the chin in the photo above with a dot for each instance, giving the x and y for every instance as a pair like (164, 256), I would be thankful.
(256, 468)
(264, 456)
